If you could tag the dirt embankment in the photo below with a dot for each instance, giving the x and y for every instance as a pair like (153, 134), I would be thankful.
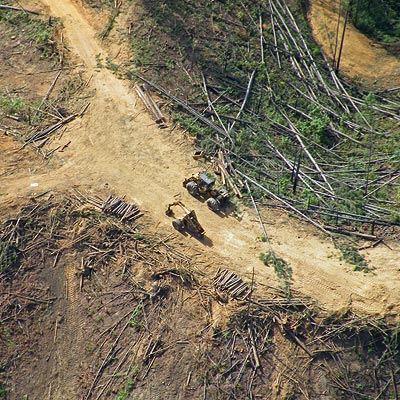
(362, 59)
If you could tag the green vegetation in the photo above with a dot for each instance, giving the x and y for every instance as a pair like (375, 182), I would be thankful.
(111, 66)
(8, 257)
(351, 254)
(3, 392)
(136, 318)
(379, 19)
(35, 29)
(99, 61)
(282, 269)
(129, 385)
(12, 105)
(5, 336)
(110, 24)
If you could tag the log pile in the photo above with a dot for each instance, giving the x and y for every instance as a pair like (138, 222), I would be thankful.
(113, 205)
(116, 206)
(145, 95)
(228, 281)
(224, 168)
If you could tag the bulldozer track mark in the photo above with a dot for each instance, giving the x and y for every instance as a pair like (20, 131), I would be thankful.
(74, 318)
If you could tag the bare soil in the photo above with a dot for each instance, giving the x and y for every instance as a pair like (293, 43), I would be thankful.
(97, 308)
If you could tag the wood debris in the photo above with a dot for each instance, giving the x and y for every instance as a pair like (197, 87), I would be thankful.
(114, 205)
(228, 281)
(44, 134)
(224, 167)
(143, 92)
(281, 151)
(5, 7)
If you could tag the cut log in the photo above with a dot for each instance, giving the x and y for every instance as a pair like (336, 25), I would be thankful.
(145, 95)
(19, 9)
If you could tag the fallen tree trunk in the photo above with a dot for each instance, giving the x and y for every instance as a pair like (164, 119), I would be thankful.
(19, 9)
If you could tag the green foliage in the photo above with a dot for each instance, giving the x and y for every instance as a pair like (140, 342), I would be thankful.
(227, 334)
(43, 40)
(379, 19)
(99, 61)
(3, 392)
(110, 24)
(395, 216)
(220, 368)
(111, 66)
(8, 257)
(352, 256)
(187, 123)
(3, 366)
(129, 385)
(282, 269)
(225, 47)
(310, 199)
(35, 29)
(12, 105)
(353, 201)
(135, 320)
(316, 128)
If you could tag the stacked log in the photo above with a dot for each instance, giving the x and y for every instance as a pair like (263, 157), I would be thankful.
(231, 283)
(113, 205)
(116, 206)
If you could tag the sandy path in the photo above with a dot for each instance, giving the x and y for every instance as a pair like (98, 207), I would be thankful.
(116, 143)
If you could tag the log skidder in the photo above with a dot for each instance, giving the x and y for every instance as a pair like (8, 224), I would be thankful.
(188, 222)
(202, 185)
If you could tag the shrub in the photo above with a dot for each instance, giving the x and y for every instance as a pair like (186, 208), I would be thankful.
(8, 257)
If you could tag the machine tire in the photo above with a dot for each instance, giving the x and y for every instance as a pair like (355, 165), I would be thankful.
(213, 204)
(193, 188)
(177, 224)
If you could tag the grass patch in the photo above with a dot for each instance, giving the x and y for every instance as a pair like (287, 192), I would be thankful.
(14, 106)
(110, 24)
(281, 267)
(39, 32)
(129, 385)
(351, 255)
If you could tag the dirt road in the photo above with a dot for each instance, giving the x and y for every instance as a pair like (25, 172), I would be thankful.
(116, 145)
